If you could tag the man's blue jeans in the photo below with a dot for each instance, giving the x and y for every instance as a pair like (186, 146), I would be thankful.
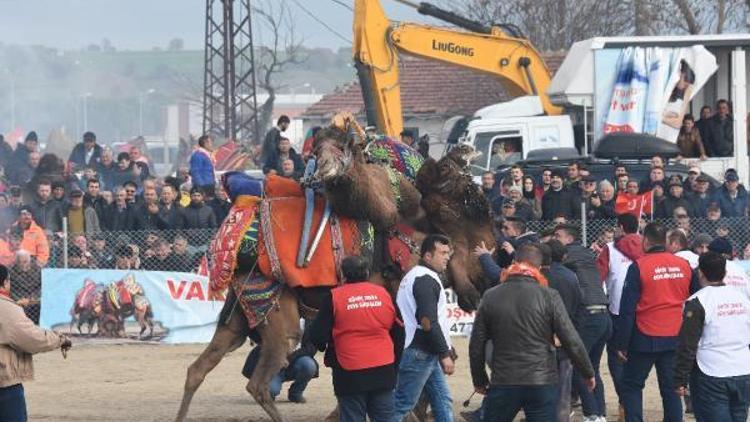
(12, 404)
(595, 330)
(419, 370)
(719, 399)
(300, 372)
(634, 375)
(614, 364)
(377, 405)
(538, 402)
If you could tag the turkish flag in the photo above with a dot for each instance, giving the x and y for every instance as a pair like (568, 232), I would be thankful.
(637, 204)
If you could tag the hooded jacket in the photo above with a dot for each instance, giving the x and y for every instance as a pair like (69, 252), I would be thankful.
(629, 245)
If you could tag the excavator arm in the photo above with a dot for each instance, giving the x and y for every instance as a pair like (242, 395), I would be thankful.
(377, 43)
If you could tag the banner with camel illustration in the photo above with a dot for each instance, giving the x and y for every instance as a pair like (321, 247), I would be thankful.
(168, 307)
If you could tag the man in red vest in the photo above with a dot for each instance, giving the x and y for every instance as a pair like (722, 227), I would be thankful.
(358, 328)
(656, 287)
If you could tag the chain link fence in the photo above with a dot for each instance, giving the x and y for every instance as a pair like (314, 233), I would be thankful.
(151, 250)
(183, 250)
(736, 230)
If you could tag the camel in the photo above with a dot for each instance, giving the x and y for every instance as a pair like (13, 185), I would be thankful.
(355, 189)
(456, 206)
(444, 200)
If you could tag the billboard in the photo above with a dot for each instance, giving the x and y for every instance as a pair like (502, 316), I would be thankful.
(648, 89)
(168, 307)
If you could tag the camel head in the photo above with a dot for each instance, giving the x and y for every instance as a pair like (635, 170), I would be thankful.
(334, 151)
(463, 155)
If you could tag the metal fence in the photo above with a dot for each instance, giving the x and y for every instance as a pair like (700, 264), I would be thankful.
(153, 250)
(183, 250)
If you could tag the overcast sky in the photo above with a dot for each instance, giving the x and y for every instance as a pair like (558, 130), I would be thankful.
(143, 24)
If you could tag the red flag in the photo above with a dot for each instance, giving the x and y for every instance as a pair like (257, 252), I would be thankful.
(635, 204)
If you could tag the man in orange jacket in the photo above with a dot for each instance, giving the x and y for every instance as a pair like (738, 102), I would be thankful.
(34, 240)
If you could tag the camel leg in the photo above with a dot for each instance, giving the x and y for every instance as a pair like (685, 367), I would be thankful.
(140, 316)
(226, 338)
(468, 296)
(278, 334)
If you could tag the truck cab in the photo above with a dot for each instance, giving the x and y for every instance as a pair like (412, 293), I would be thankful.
(505, 133)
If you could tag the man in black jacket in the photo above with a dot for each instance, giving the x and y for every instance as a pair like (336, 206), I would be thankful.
(95, 200)
(271, 141)
(358, 328)
(86, 153)
(521, 318)
(558, 200)
(47, 211)
(720, 131)
(596, 326)
(197, 215)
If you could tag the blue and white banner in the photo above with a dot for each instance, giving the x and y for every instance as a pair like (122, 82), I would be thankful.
(648, 90)
(169, 307)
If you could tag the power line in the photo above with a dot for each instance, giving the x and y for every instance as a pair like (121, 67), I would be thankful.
(339, 2)
(316, 19)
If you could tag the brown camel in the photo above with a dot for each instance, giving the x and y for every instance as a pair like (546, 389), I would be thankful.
(278, 334)
(351, 182)
(456, 206)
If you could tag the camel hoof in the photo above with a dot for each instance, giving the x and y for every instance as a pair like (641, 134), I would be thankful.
(468, 299)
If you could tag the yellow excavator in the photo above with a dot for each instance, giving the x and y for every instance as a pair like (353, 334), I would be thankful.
(499, 50)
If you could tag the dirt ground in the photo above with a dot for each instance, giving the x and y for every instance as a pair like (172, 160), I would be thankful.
(143, 382)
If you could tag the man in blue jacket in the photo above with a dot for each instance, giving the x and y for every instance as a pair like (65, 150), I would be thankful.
(202, 165)
(732, 197)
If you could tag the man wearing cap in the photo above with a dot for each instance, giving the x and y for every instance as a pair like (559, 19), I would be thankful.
(693, 172)
(80, 219)
(732, 197)
(86, 153)
(656, 286)
(508, 208)
(701, 196)
(34, 240)
(558, 200)
(587, 190)
(712, 352)
(675, 198)
(736, 276)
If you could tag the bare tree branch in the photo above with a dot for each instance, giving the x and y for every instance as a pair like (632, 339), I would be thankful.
(284, 49)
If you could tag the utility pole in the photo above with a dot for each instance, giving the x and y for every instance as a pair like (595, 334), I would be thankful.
(230, 106)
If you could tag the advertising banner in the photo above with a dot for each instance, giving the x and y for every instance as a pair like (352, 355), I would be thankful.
(128, 304)
(648, 90)
(169, 307)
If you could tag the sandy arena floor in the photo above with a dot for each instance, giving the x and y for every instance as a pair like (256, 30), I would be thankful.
(143, 382)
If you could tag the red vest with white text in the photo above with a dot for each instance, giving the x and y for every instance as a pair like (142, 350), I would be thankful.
(363, 314)
(665, 285)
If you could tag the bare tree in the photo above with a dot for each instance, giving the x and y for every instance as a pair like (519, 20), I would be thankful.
(551, 24)
(282, 50)
(556, 24)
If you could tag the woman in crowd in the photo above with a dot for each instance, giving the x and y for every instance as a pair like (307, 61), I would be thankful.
(532, 196)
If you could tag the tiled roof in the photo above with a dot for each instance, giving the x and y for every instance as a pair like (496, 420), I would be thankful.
(428, 88)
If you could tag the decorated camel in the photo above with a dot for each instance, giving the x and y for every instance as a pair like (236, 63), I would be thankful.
(108, 306)
(255, 253)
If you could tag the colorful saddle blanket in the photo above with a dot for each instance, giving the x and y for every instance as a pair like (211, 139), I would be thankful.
(397, 155)
(241, 223)
(282, 216)
(257, 295)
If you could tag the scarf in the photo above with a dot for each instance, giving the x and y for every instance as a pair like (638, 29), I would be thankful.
(3, 293)
(525, 270)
